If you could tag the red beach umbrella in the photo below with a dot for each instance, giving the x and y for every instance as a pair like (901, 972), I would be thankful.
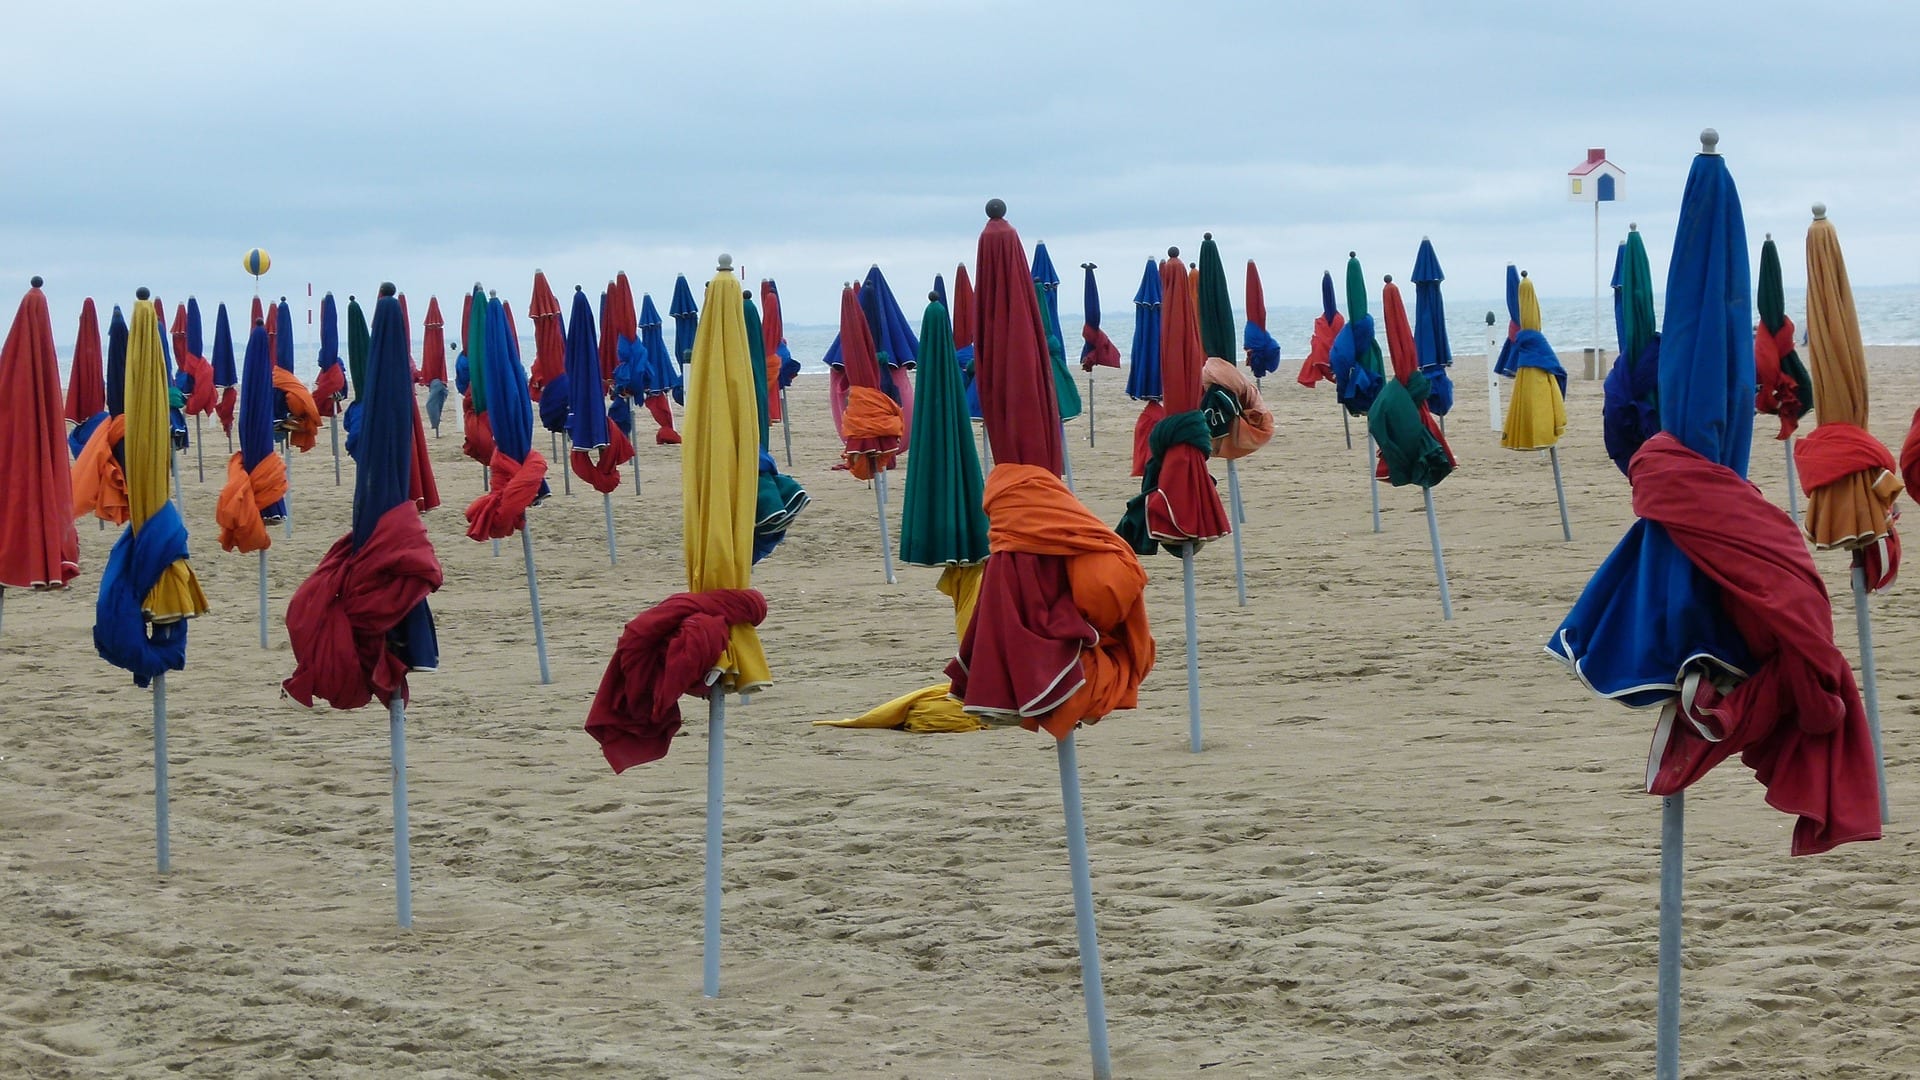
(549, 343)
(38, 546)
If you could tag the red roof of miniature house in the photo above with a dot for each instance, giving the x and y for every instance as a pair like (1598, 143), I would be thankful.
(1596, 157)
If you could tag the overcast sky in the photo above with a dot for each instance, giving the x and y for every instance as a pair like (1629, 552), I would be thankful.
(439, 144)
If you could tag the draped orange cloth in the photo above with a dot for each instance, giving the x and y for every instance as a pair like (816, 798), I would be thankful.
(1318, 365)
(1254, 426)
(242, 499)
(872, 427)
(503, 509)
(302, 424)
(1060, 636)
(99, 483)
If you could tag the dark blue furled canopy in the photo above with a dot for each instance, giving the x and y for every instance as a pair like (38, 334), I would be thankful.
(254, 417)
(195, 341)
(117, 363)
(894, 342)
(386, 463)
(1430, 329)
(225, 372)
(329, 333)
(1329, 303)
(1505, 364)
(508, 408)
(1648, 613)
(1143, 370)
(283, 337)
(586, 409)
(686, 320)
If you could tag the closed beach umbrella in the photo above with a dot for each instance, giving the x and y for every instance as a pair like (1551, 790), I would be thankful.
(1096, 348)
(1143, 365)
(38, 546)
(659, 372)
(895, 346)
(1215, 308)
(255, 493)
(147, 591)
(433, 363)
(194, 378)
(1318, 366)
(361, 622)
(1263, 352)
(476, 427)
(1430, 330)
(686, 320)
(963, 331)
(871, 426)
(1537, 411)
(1066, 394)
(1630, 414)
(549, 348)
(773, 336)
(226, 373)
(942, 522)
(298, 415)
(86, 401)
(1238, 419)
(1710, 607)
(779, 499)
(517, 473)
(1358, 372)
(599, 448)
(99, 477)
(1059, 637)
(1786, 388)
(330, 386)
(1412, 448)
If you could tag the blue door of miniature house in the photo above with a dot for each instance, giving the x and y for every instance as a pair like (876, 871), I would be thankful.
(1605, 188)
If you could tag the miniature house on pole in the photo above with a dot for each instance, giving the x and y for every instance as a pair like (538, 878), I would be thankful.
(1596, 180)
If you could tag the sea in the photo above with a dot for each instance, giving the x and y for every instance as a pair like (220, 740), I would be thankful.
(1889, 315)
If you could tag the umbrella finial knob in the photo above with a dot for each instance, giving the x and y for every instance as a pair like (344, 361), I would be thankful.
(1523, 273)
(1206, 236)
(725, 261)
(577, 288)
(1173, 253)
(1708, 140)
(1633, 226)
(350, 299)
(537, 271)
(492, 294)
(1769, 238)
(1353, 254)
(387, 288)
(933, 297)
(1089, 266)
(1389, 279)
(1489, 318)
(36, 281)
(996, 209)
(1819, 211)
(142, 293)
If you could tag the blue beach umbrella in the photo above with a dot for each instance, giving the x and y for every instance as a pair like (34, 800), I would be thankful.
(386, 463)
(511, 413)
(1430, 329)
(894, 343)
(117, 363)
(586, 408)
(1143, 371)
(1066, 392)
(283, 337)
(1630, 410)
(940, 289)
(686, 320)
(225, 372)
(1505, 364)
(330, 346)
(255, 418)
(1048, 280)
(654, 338)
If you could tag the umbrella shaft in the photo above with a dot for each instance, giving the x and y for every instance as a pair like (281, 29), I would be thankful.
(716, 789)
(1090, 408)
(263, 598)
(1560, 495)
(1239, 518)
(1373, 482)
(880, 500)
(1091, 984)
(161, 845)
(402, 846)
(613, 557)
(1439, 560)
(1673, 839)
(1869, 676)
(533, 599)
(1193, 652)
(1793, 484)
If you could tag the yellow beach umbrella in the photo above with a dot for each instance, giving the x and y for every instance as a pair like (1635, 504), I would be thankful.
(1852, 482)
(720, 470)
(1537, 415)
(149, 452)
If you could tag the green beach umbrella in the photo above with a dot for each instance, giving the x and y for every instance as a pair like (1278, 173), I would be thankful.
(757, 348)
(359, 341)
(1218, 334)
(477, 350)
(943, 521)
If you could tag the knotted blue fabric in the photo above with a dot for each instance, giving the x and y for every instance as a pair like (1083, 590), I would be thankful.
(121, 633)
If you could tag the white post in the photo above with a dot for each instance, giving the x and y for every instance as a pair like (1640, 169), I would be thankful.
(1598, 371)
(1494, 340)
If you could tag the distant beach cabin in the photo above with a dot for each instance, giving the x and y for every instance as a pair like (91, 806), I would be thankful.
(1596, 180)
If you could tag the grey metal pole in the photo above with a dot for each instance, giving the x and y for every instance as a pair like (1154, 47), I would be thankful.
(263, 598)
(333, 428)
(880, 501)
(1793, 484)
(533, 596)
(613, 557)
(1090, 408)
(1439, 560)
(1066, 456)
(1869, 678)
(1091, 986)
(1193, 652)
(402, 845)
(199, 449)
(1673, 839)
(1560, 494)
(786, 428)
(162, 852)
(1239, 518)
(716, 806)
(1373, 482)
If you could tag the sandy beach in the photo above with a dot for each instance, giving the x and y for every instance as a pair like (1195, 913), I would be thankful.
(1411, 849)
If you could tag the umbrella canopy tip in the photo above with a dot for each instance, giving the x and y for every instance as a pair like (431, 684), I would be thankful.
(143, 293)
(1769, 238)
(1709, 139)
(36, 281)
(387, 288)
(725, 262)
(1819, 211)
(996, 209)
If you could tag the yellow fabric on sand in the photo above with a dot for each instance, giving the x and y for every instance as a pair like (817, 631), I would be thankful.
(720, 471)
(1537, 414)
(961, 581)
(929, 711)
(148, 448)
